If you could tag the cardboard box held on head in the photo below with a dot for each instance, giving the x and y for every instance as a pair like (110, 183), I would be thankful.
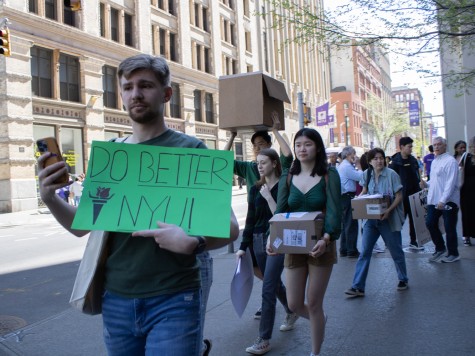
(296, 232)
(247, 100)
(369, 206)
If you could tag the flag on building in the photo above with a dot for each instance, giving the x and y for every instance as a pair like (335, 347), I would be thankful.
(414, 116)
(322, 114)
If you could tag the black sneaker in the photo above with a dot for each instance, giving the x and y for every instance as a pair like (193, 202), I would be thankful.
(355, 292)
(402, 285)
(207, 347)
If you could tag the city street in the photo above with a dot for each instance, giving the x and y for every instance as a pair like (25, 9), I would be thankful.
(38, 263)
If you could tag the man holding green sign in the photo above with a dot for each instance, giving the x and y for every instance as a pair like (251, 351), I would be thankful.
(152, 283)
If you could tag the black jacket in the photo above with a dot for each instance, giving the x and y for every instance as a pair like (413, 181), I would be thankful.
(408, 171)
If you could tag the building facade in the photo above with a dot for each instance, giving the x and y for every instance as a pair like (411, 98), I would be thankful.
(357, 74)
(61, 79)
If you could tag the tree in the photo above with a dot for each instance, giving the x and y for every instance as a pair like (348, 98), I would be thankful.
(387, 123)
(411, 28)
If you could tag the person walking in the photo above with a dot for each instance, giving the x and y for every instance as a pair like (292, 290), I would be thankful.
(407, 166)
(248, 171)
(152, 307)
(349, 177)
(378, 179)
(443, 199)
(428, 158)
(312, 186)
(467, 192)
(460, 148)
(261, 207)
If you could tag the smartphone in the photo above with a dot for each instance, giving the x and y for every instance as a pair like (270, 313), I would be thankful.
(49, 144)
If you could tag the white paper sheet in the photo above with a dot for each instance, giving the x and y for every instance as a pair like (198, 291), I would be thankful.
(241, 285)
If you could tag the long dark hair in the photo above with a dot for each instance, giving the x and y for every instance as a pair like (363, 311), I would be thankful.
(370, 155)
(274, 157)
(321, 165)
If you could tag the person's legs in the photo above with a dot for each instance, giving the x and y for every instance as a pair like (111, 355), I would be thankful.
(272, 287)
(296, 280)
(350, 226)
(173, 324)
(318, 278)
(121, 337)
(393, 241)
(432, 223)
(163, 325)
(370, 236)
(412, 230)
(450, 223)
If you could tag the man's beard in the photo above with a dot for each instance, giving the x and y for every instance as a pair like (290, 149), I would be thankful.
(143, 117)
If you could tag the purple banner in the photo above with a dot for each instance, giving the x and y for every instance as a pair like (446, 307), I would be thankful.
(322, 115)
(332, 136)
(331, 120)
(414, 113)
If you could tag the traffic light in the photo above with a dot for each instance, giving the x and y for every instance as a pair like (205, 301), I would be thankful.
(307, 119)
(5, 44)
(74, 5)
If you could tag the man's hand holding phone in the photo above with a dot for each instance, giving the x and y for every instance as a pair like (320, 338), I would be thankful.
(52, 170)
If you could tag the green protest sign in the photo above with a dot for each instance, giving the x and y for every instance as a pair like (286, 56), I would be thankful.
(131, 187)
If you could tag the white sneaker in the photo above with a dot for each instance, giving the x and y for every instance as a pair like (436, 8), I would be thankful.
(289, 322)
(260, 347)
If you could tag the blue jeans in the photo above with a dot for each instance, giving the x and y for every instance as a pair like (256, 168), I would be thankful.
(206, 271)
(450, 223)
(349, 231)
(166, 325)
(371, 232)
(272, 286)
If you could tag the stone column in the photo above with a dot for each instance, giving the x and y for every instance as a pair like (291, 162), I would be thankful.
(17, 149)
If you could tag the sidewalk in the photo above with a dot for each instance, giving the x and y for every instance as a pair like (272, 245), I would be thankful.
(433, 317)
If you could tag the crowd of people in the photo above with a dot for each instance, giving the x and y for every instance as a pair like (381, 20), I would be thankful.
(159, 307)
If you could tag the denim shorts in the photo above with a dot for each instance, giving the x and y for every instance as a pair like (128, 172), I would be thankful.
(300, 260)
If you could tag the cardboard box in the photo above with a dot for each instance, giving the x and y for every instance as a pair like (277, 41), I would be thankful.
(247, 100)
(369, 206)
(296, 232)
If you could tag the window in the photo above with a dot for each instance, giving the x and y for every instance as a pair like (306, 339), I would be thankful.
(175, 101)
(207, 61)
(247, 36)
(205, 20)
(41, 72)
(238, 151)
(198, 112)
(102, 14)
(69, 78)
(232, 34)
(50, 9)
(171, 7)
(173, 46)
(162, 35)
(246, 8)
(114, 25)
(109, 85)
(209, 108)
(72, 149)
(69, 17)
(197, 15)
(128, 29)
(32, 6)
